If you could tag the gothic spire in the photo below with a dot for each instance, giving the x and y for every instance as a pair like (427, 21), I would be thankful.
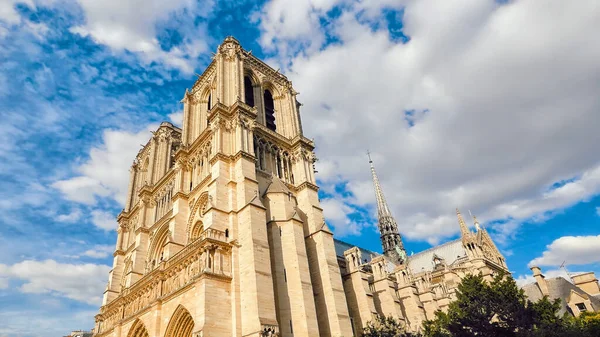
(382, 207)
(391, 240)
(464, 229)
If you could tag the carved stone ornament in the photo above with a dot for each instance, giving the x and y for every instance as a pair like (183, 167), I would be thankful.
(229, 49)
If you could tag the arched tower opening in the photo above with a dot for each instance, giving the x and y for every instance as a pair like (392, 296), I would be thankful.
(269, 110)
(248, 91)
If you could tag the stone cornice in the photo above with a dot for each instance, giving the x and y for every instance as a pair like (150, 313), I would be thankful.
(243, 109)
(309, 185)
(123, 216)
(243, 154)
(220, 156)
(142, 229)
(263, 132)
(181, 195)
(273, 75)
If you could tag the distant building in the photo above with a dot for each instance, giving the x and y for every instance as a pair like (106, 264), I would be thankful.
(577, 297)
(80, 333)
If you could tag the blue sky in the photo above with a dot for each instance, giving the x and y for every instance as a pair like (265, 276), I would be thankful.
(487, 106)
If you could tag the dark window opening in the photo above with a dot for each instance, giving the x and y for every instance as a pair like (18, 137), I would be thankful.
(226, 233)
(269, 110)
(581, 307)
(248, 91)
(208, 106)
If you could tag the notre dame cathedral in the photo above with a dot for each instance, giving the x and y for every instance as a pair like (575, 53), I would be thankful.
(222, 233)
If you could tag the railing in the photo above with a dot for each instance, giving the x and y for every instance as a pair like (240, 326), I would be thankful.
(209, 254)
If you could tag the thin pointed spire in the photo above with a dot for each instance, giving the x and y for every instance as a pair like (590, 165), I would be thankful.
(382, 207)
(475, 222)
(464, 229)
(391, 240)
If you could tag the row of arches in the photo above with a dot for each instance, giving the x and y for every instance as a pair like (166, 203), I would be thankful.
(272, 159)
(180, 325)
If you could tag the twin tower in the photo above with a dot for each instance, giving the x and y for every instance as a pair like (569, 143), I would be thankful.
(222, 233)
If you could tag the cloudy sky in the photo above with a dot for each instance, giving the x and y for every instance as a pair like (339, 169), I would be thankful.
(488, 106)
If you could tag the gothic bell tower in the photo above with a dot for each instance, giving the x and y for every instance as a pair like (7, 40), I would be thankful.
(223, 233)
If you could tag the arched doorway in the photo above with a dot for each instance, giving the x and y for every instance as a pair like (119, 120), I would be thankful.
(138, 330)
(181, 324)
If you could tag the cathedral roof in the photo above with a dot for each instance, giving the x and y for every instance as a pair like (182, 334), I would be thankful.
(277, 186)
(341, 247)
(449, 251)
(558, 287)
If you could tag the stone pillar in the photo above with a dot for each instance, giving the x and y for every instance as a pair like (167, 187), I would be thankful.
(356, 287)
(386, 301)
(131, 187)
(114, 278)
(296, 311)
(330, 299)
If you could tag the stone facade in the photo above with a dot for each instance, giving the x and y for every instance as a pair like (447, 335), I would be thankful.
(222, 233)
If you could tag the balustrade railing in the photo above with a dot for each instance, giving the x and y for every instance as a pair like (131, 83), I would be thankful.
(209, 254)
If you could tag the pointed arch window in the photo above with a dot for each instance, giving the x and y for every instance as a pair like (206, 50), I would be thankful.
(208, 107)
(248, 91)
(269, 110)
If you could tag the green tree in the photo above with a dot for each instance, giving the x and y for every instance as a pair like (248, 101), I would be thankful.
(495, 309)
(385, 326)
(500, 309)
(587, 325)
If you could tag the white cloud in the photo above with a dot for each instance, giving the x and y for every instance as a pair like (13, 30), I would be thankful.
(132, 25)
(337, 214)
(176, 118)
(104, 220)
(106, 172)
(503, 108)
(80, 282)
(71, 217)
(9, 14)
(44, 320)
(571, 250)
(99, 251)
(82, 189)
(289, 26)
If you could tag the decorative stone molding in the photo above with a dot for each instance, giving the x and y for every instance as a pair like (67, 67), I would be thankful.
(209, 255)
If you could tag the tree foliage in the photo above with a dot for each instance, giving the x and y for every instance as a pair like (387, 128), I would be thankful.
(500, 309)
(384, 326)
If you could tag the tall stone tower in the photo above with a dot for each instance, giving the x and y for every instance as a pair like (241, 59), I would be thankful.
(391, 240)
(222, 233)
